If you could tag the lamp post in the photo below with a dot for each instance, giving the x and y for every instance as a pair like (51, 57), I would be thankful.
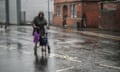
(18, 11)
(7, 13)
(48, 12)
(101, 5)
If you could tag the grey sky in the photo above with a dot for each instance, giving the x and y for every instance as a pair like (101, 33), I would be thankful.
(32, 7)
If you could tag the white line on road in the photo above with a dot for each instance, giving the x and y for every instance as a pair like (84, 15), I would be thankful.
(65, 69)
(108, 66)
(27, 52)
(66, 57)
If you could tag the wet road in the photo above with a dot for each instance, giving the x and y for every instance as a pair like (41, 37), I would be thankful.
(70, 52)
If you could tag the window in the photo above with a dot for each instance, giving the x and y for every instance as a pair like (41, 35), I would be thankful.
(58, 11)
(73, 10)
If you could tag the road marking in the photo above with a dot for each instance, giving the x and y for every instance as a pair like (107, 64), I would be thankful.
(107, 36)
(2, 29)
(65, 69)
(27, 52)
(66, 57)
(108, 66)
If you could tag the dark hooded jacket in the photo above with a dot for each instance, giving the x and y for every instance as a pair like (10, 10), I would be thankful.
(40, 23)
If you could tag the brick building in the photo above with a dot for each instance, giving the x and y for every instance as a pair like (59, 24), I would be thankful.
(117, 28)
(109, 16)
(72, 10)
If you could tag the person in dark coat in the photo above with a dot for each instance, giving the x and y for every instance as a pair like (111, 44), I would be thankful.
(78, 24)
(39, 22)
(64, 22)
(84, 21)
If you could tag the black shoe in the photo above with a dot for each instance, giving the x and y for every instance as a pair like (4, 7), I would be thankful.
(35, 53)
(48, 49)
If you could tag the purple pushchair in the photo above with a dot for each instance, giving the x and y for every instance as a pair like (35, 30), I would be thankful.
(36, 36)
(43, 39)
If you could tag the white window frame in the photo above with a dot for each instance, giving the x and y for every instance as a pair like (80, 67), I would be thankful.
(73, 11)
(57, 10)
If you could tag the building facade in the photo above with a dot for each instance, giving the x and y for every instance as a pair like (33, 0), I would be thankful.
(73, 10)
(117, 28)
(109, 16)
(10, 11)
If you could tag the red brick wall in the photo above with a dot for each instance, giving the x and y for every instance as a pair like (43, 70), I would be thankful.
(92, 13)
(91, 10)
(110, 5)
(111, 20)
(57, 21)
(108, 20)
(61, 1)
(118, 18)
(54, 10)
(70, 21)
(79, 9)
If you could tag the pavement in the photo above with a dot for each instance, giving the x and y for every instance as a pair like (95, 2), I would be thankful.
(71, 51)
(115, 35)
(106, 35)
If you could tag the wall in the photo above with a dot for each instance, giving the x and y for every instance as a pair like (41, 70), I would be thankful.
(58, 20)
(90, 8)
(13, 11)
(110, 17)
(118, 18)
(92, 12)
(2, 11)
(62, 1)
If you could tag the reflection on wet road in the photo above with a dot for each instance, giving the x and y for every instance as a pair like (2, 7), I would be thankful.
(70, 52)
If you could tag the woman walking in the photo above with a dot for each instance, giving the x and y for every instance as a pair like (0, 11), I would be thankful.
(39, 23)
